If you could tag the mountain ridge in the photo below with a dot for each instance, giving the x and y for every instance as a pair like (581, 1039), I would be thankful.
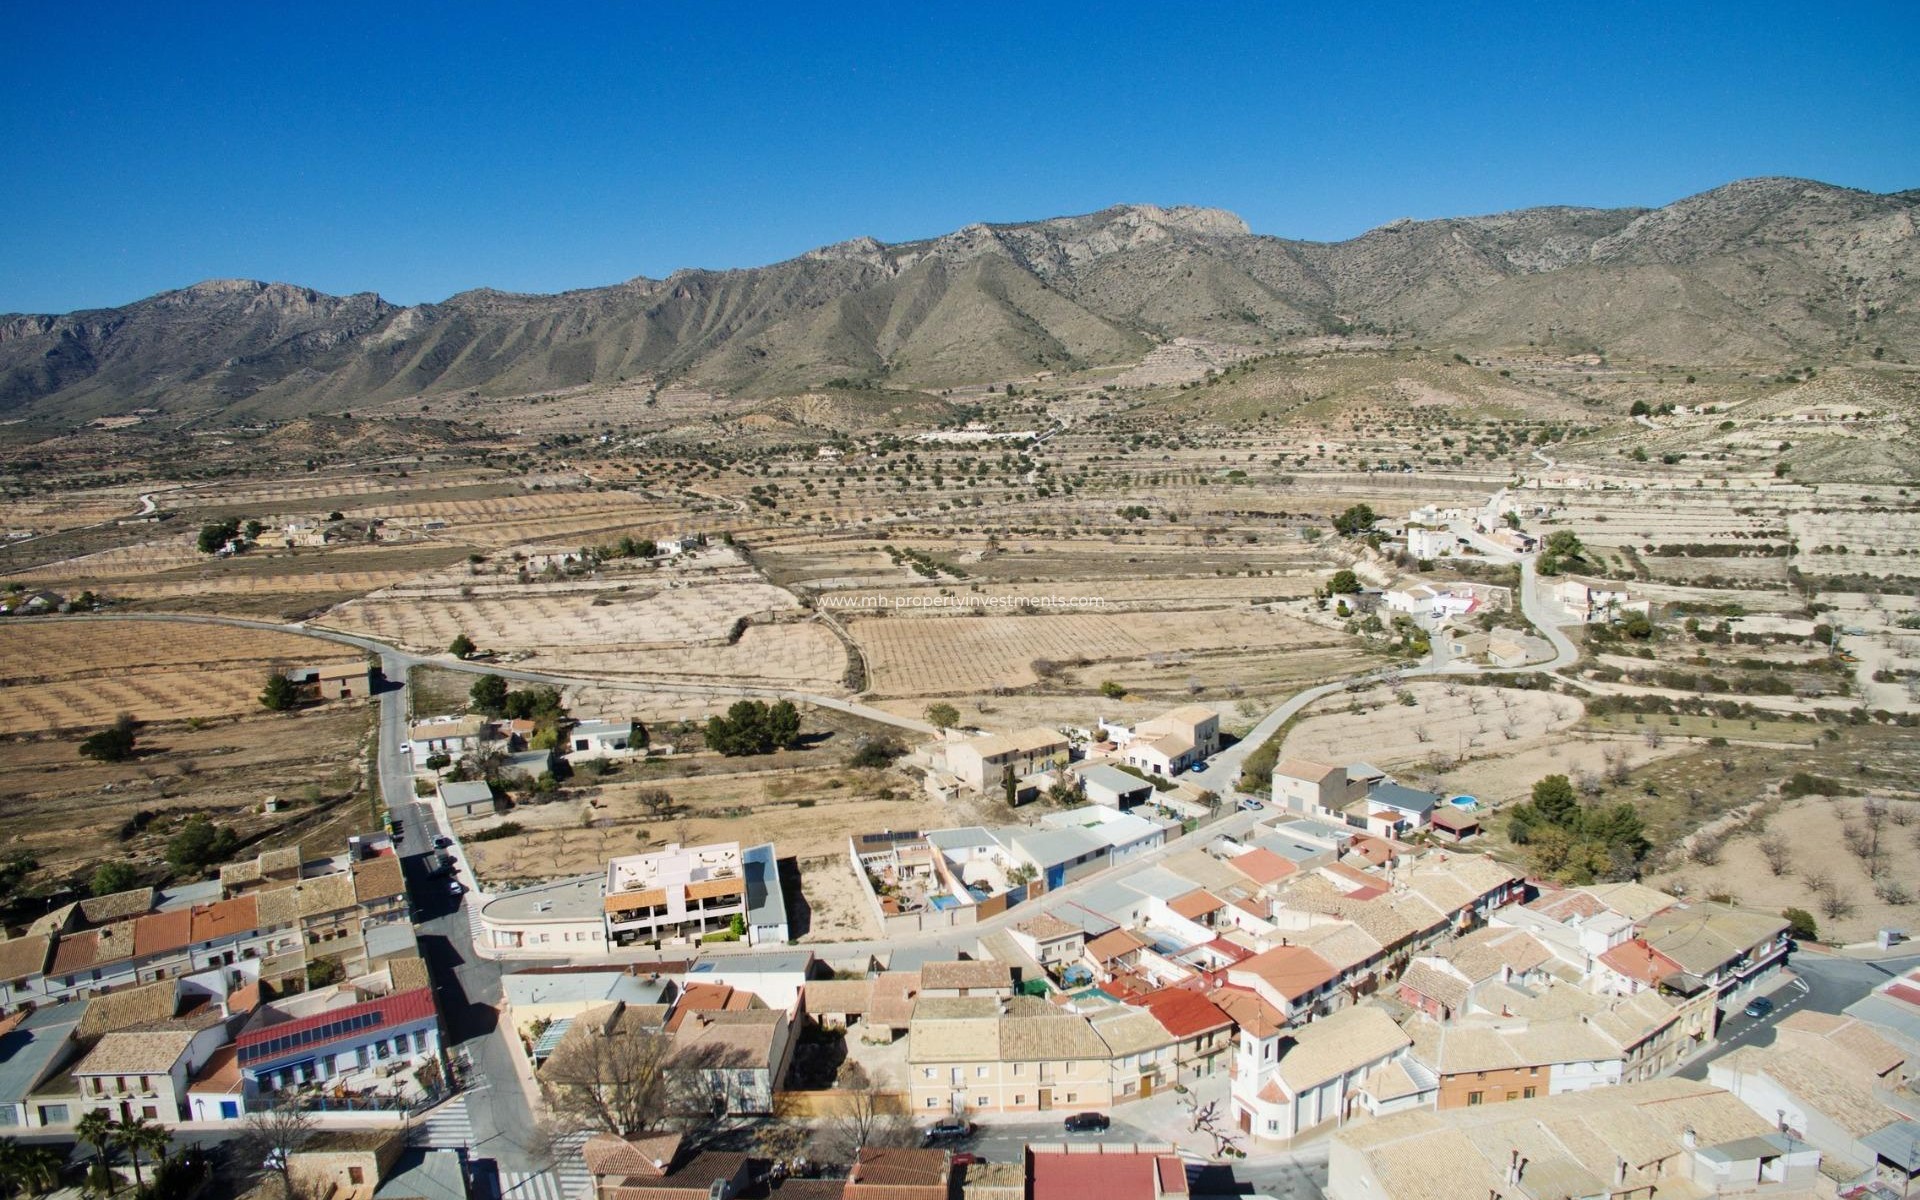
(1755, 269)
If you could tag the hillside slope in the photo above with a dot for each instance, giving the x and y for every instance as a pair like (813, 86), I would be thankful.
(1757, 270)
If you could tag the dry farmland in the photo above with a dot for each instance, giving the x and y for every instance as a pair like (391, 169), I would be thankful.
(60, 674)
(945, 656)
(566, 620)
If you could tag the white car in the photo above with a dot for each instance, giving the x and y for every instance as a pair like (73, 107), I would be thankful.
(456, 887)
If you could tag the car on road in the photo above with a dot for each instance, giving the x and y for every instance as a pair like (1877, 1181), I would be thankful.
(1251, 804)
(953, 1129)
(455, 888)
(1088, 1122)
(1759, 1006)
(441, 843)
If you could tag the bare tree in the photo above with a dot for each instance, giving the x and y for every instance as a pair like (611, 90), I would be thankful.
(273, 1136)
(1421, 735)
(657, 801)
(1837, 903)
(865, 1116)
(1891, 891)
(1778, 853)
(611, 1075)
(1706, 848)
(1817, 881)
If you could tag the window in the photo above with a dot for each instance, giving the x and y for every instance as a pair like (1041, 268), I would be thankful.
(1273, 1126)
(1529, 1093)
(1533, 1070)
(979, 1101)
(979, 1072)
(1475, 1097)
(1019, 1067)
(1019, 1097)
(356, 1176)
(229, 1110)
(932, 1101)
(149, 1111)
(929, 1075)
(1071, 1097)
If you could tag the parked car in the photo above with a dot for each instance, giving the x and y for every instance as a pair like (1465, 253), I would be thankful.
(441, 843)
(1759, 1006)
(1087, 1123)
(456, 888)
(1251, 804)
(964, 1158)
(953, 1129)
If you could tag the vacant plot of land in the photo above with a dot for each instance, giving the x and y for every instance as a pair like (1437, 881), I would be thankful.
(928, 656)
(77, 674)
(1448, 721)
(1823, 873)
(805, 657)
(71, 813)
(683, 615)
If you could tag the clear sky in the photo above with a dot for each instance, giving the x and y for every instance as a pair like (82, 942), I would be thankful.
(417, 150)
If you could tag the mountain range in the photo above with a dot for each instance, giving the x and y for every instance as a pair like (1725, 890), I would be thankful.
(1760, 270)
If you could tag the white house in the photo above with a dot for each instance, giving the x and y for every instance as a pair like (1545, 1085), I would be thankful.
(1315, 1076)
(1429, 543)
(451, 736)
(600, 739)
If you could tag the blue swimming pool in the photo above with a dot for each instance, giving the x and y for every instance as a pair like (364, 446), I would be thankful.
(943, 902)
(1463, 802)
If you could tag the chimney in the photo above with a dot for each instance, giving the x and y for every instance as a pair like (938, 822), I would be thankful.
(1619, 1172)
(1689, 1138)
(1513, 1167)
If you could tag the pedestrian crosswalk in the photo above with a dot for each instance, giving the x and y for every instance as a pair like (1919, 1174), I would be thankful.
(446, 1128)
(530, 1185)
(567, 1180)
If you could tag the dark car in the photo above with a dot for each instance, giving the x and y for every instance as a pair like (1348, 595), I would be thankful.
(951, 1130)
(441, 843)
(1759, 1006)
(1087, 1123)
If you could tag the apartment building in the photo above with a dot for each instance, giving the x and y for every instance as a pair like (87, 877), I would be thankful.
(677, 892)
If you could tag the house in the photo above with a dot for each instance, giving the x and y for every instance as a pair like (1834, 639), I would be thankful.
(1453, 825)
(339, 1036)
(450, 736)
(1141, 1054)
(1058, 1171)
(469, 798)
(1202, 1032)
(1425, 600)
(984, 764)
(346, 1164)
(1309, 788)
(1314, 1077)
(1663, 1137)
(658, 1167)
(966, 977)
(1429, 543)
(1390, 809)
(1125, 834)
(333, 681)
(1061, 855)
(895, 1173)
(1053, 943)
(838, 1003)
(776, 978)
(735, 1057)
(1114, 788)
(1293, 979)
(967, 1055)
(1732, 950)
(601, 739)
(1820, 1093)
(675, 893)
(554, 995)
(1173, 741)
(527, 766)
(1508, 649)
(143, 1072)
(33, 1046)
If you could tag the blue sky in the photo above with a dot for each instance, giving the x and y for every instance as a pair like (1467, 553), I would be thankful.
(540, 147)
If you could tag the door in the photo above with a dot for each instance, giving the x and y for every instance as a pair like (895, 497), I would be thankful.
(1056, 876)
(1146, 1086)
(1046, 1099)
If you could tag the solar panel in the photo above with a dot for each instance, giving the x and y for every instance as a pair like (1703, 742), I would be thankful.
(274, 1047)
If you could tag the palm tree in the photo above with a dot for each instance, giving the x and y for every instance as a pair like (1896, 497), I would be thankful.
(136, 1135)
(156, 1140)
(12, 1156)
(96, 1129)
(39, 1169)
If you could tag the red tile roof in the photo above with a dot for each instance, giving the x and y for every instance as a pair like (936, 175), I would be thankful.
(398, 1009)
(157, 933)
(226, 918)
(1184, 1013)
(1109, 1175)
(1637, 960)
(1262, 866)
(1292, 971)
(708, 997)
(1249, 1012)
(1196, 904)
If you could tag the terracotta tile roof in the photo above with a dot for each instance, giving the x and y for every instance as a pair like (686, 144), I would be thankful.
(916, 1170)
(1262, 866)
(1292, 971)
(736, 1040)
(893, 998)
(24, 956)
(278, 907)
(126, 1008)
(135, 1053)
(1110, 1173)
(692, 1179)
(701, 889)
(1196, 904)
(610, 1154)
(1637, 960)
(409, 972)
(220, 1074)
(1437, 985)
(980, 973)
(1115, 943)
(226, 918)
(157, 933)
(1046, 928)
(117, 906)
(1338, 1044)
(851, 996)
(1249, 1012)
(75, 952)
(1184, 1013)
(1300, 768)
(378, 878)
(325, 894)
(708, 997)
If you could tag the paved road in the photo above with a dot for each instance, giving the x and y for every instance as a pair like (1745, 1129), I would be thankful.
(1831, 983)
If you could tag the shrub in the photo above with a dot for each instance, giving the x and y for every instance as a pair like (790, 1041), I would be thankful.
(1800, 925)
(116, 743)
(504, 829)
